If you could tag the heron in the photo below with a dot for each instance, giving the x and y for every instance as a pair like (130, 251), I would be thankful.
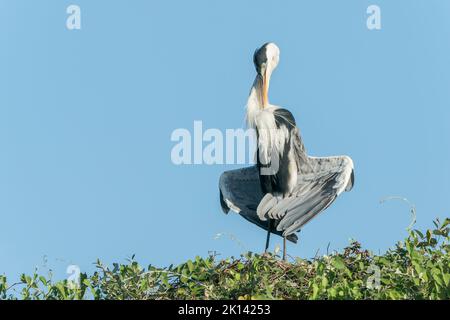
(286, 188)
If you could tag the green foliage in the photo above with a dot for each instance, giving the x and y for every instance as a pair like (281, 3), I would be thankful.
(417, 268)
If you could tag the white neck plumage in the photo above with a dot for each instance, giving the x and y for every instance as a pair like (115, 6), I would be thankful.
(257, 100)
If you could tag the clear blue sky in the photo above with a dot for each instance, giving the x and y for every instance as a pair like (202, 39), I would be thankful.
(86, 118)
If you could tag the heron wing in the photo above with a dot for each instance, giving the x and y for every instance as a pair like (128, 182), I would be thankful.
(318, 185)
(240, 191)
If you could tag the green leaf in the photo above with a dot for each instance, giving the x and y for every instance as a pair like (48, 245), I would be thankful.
(61, 289)
(324, 282)
(436, 276)
(338, 263)
(43, 280)
(315, 291)
(190, 266)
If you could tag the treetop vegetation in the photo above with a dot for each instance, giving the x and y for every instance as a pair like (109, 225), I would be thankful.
(416, 268)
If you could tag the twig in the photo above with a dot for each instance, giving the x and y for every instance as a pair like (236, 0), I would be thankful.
(411, 206)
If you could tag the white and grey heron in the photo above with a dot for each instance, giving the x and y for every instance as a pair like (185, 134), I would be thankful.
(286, 188)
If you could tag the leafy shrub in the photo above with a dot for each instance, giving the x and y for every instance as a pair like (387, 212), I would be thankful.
(416, 268)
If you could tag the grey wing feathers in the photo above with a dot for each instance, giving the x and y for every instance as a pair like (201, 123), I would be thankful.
(319, 182)
(318, 186)
(240, 191)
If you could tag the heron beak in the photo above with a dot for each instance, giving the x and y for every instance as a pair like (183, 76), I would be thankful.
(265, 89)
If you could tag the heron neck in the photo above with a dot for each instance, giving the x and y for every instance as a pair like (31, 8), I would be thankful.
(255, 102)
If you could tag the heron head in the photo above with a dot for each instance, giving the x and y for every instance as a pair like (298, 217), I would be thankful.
(266, 60)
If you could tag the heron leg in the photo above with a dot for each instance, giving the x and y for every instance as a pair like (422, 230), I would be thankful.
(269, 222)
(284, 248)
